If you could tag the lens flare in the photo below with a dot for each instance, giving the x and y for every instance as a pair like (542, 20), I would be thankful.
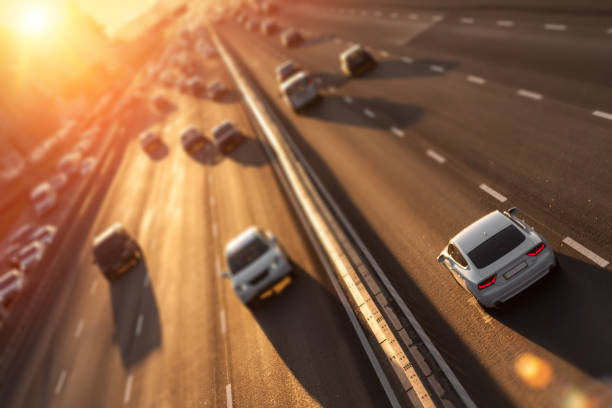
(533, 370)
(34, 19)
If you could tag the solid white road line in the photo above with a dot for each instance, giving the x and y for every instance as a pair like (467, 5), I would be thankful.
(228, 394)
(214, 230)
(476, 80)
(79, 329)
(413, 16)
(60, 382)
(609, 31)
(223, 323)
(94, 286)
(467, 20)
(601, 114)
(398, 132)
(407, 60)
(529, 94)
(127, 394)
(436, 156)
(384, 54)
(493, 193)
(436, 68)
(555, 27)
(505, 23)
(218, 266)
(139, 324)
(369, 113)
(586, 252)
(210, 178)
(348, 99)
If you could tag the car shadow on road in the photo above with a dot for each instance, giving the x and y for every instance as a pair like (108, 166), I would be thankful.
(316, 40)
(232, 96)
(387, 113)
(293, 322)
(160, 152)
(138, 330)
(453, 348)
(249, 153)
(568, 313)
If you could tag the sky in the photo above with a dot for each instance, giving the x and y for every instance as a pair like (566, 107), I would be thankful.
(110, 13)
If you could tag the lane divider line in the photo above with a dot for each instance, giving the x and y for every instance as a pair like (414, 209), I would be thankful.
(407, 60)
(127, 394)
(94, 286)
(79, 329)
(437, 68)
(223, 322)
(601, 114)
(139, 323)
(384, 54)
(493, 193)
(555, 27)
(467, 20)
(586, 252)
(529, 94)
(369, 113)
(60, 382)
(396, 15)
(228, 395)
(476, 79)
(413, 16)
(348, 100)
(505, 23)
(436, 156)
(437, 18)
(214, 230)
(397, 131)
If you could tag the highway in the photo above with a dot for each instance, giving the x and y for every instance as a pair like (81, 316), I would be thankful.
(418, 149)
(172, 332)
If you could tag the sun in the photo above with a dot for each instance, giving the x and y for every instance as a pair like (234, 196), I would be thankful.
(34, 19)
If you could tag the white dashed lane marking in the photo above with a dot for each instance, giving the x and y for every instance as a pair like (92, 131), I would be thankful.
(555, 27)
(139, 323)
(413, 16)
(529, 94)
(369, 113)
(223, 323)
(127, 394)
(212, 201)
(467, 20)
(397, 131)
(79, 329)
(603, 115)
(407, 60)
(384, 54)
(218, 266)
(493, 193)
(394, 15)
(586, 252)
(228, 394)
(436, 156)
(348, 99)
(505, 23)
(437, 68)
(437, 18)
(60, 382)
(214, 230)
(476, 79)
(94, 287)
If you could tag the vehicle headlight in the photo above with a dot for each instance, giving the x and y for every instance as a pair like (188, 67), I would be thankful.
(242, 287)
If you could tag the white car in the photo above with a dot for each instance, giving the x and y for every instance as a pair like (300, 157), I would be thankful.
(88, 165)
(69, 163)
(58, 181)
(11, 283)
(299, 91)
(497, 257)
(193, 139)
(43, 197)
(150, 141)
(286, 70)
(45, 234)
(257, 265)
(29, 256)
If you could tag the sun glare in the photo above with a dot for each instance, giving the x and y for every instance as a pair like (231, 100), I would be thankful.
(34, 19)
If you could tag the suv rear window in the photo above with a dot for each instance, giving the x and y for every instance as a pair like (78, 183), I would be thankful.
(496, 246)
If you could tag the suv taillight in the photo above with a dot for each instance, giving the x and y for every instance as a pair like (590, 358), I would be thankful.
(537, 249)
(487, 282)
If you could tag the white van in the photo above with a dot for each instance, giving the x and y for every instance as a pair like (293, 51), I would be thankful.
(43, 197)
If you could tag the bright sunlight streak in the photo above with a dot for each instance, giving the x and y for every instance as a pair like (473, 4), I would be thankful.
(34, 19)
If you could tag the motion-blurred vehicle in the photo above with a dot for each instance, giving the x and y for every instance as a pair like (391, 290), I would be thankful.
(58, 181)
(497, 257)
(285, 70)
(150, 141)
(28, 257)
(88, 165)
(43, 198)
(11, 284)
(251, 25)
(162, 104)
(216, 90)
(291, 38)
(269, 27)
(167, 79)
(193, 139)
(69, 163)
(20, 233)
(227, 137)
(356, 61)
(196, 86)
(299, 91)
(268, 7)
(44, 234)
(83, 146)
(209, 51)
(257, 265)
(115, 252)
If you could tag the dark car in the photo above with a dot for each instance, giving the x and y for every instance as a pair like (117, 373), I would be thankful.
(356, 61)
(115, 252)
(291, 38)
(227, 137)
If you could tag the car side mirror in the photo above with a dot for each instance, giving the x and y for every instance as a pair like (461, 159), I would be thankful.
(225, 274)
(441, 258)
(513, 211)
